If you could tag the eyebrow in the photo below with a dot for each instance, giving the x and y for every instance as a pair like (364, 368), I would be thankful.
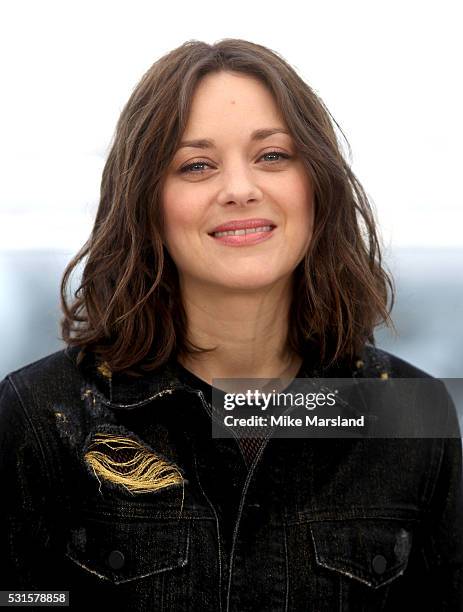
(206, 143)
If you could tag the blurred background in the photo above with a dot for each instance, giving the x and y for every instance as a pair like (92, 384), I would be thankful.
(427, 314)
(387, 73)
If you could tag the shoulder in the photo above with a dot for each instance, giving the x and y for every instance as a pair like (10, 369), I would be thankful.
(34, 429)
(46, 366)
(49, 367)
(41, 413)
(431, 391)
(42, 382)
(26, 394)
(375, 362)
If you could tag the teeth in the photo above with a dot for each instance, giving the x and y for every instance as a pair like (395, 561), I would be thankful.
(264, 228)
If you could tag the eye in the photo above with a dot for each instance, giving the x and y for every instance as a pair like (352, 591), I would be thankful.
(282, 155)
(190, 167)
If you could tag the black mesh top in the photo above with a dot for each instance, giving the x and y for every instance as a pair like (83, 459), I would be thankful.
(249, 445)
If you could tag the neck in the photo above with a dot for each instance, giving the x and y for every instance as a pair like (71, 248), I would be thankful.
(249, 330)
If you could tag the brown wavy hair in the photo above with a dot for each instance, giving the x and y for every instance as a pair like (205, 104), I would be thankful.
(128, 308)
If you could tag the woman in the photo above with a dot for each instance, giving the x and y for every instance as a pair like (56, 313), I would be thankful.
(232, 240)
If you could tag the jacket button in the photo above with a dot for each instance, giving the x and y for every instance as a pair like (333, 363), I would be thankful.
(116, 559)
(379, 564)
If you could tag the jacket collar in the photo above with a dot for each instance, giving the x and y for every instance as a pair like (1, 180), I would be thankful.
(119, 390)
(124, 392)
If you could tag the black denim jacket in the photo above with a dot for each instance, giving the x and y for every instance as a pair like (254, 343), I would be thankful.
(313, 524)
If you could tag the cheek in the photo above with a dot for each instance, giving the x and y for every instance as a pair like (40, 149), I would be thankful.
(301, 188)
(304, 208)
(181, 215)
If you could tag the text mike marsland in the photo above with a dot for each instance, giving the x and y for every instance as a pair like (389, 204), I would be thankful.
(288, 421)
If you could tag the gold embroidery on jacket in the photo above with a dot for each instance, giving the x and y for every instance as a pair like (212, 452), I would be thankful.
(124, 461)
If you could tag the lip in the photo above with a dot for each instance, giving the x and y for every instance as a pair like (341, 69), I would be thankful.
(244, 240)
(237, 224)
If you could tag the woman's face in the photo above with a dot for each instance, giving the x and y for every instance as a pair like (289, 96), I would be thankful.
(236, 177)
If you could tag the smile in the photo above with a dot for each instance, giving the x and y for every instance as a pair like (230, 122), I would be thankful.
(244, 237)
(241, 232)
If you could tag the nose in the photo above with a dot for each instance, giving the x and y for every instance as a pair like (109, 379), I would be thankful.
(239, 185)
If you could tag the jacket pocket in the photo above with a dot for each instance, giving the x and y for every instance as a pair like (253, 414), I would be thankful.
(345, 564)
(122, 551)
(371, 551)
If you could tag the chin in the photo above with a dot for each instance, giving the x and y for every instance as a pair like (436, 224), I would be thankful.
(249, 283)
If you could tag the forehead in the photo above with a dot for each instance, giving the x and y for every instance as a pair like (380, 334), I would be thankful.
(231, 99)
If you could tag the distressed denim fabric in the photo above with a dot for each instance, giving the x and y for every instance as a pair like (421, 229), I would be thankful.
(320, 525)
